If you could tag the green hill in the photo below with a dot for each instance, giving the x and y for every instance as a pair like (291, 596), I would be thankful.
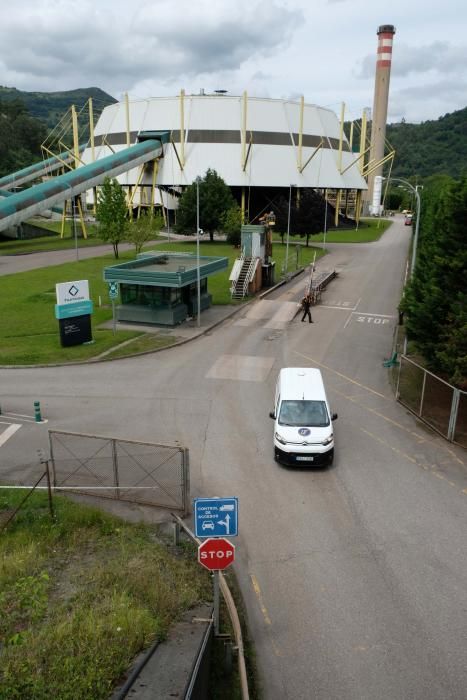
(430, 148)
(49, 107)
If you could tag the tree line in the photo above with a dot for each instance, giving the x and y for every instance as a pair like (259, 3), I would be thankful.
(435, 300)
(21, 136)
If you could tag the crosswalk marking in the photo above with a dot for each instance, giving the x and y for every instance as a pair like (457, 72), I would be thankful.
(249, 368)
(8, 432)
(269, 314)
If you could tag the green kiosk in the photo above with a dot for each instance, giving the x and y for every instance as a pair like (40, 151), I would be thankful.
(161, 288)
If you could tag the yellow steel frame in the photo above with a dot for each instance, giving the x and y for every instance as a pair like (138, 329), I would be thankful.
(300, 135)
(181, 160)
(338, 204)
(379, 163)
(320, 145)
(341, 137)
(244, 121)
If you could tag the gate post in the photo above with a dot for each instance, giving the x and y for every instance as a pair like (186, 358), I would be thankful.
(52, 459)
(115, 468)
(185, 485)
(453, 415)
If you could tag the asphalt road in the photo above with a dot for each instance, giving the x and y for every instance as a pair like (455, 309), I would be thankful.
(354, 577)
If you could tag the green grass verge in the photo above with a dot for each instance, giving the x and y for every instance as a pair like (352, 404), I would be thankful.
(143, 343)
(368, 231)
(81, 596)
(29, 330)
(48, 242)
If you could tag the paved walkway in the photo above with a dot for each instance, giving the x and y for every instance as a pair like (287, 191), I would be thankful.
(10, 264)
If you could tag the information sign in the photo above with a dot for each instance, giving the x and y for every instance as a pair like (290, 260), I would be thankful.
(216, 517)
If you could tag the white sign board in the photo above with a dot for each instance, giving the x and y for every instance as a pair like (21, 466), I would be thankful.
(71, 292)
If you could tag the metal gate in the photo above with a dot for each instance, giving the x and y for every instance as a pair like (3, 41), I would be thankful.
(127, 470)
(439, 404)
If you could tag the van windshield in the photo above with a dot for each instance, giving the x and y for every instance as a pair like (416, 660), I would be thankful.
(304, 414)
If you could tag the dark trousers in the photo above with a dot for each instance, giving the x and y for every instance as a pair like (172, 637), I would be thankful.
(306, 313)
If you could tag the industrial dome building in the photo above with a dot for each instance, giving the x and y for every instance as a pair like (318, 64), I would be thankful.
(254, 144)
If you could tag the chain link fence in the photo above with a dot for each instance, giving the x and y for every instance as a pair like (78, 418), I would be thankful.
(127, 470)
(436, 402)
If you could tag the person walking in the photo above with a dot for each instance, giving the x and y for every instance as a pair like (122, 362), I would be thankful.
(306, 305)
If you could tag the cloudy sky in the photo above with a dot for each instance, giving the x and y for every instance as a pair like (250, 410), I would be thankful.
(322, 49)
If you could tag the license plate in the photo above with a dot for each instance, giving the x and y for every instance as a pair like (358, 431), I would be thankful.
(304, 459)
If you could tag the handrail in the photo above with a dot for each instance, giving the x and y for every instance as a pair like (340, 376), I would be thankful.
(233, 286)
(234, 618)
(247, 279)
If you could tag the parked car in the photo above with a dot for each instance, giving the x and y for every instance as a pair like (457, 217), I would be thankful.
(408, 219)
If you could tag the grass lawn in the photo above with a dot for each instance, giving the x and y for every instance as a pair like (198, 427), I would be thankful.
(28, 328)
(368, 231)
(48, 242)
(81, 596)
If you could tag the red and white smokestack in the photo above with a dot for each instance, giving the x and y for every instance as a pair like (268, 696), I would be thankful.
(380, 103)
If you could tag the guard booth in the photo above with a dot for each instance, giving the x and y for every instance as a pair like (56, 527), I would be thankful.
(161, 288)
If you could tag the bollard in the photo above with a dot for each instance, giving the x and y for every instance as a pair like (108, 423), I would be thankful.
(37, 412)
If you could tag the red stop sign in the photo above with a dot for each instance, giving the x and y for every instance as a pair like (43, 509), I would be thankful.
(216, 553)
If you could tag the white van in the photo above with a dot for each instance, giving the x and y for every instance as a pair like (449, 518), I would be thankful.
(303, 431)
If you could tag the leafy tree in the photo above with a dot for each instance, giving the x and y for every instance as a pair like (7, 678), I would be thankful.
(232, 225)
(111, 213)
(144, 229)
(307, 214)
(435, 299)
(215, 199)
(21, 137)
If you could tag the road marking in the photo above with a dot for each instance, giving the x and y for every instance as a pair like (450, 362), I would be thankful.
(421, 438)
(7, 434)
(431, 470)
(413, 433)
(248, 368)
(386, 444)
(361, 313)
(20, 416)
(259, 595)
(268, 314)
(265, 613)
(339, 374)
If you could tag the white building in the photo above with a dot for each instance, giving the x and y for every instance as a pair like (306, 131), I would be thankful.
(250, 142)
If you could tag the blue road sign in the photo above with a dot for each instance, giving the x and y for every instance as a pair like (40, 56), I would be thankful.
(216, 517)
(113, 290)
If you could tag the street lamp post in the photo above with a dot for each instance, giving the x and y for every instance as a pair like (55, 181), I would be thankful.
(73, 221)
(198, 280)
(288, 230)
(325, 219)
(415, 191)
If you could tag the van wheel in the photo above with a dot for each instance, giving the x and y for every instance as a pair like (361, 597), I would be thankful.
(331, 458)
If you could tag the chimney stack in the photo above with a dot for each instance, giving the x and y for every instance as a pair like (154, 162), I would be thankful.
(380, 102)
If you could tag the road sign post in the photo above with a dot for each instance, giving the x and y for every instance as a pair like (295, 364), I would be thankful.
(216, 554)
(113, 294)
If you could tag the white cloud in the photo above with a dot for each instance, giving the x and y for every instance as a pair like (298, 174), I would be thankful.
(323, 49)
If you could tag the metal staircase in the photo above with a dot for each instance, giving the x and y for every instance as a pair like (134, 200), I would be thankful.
(239, 288)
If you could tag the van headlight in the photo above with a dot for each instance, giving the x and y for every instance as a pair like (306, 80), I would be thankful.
(280, 439)
(328, 440)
